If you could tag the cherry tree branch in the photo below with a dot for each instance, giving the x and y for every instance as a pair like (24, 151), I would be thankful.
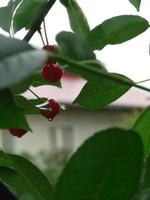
(37, 24)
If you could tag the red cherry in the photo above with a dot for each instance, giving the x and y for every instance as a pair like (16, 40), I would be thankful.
(52, 49)
(19, 132)
(52, 73)
(51, 113)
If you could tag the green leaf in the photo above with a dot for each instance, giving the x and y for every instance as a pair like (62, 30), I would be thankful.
(65, 2)
(142, 126)
(87, 72)
(18, 60)
(98, 94)
(22, 86)
(107, 167)
(136, 4)
(73, 46)
(26, 105)
(6, 14)
(11, 116)
(116, 30)
(38, 80)
(78, 21)
(29, 175)
(144, 190)
(27, 13)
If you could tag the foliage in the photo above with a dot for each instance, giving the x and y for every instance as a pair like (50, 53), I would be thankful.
(113, 163)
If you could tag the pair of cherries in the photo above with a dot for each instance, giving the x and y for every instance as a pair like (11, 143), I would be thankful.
(50, 113)
(51, 71)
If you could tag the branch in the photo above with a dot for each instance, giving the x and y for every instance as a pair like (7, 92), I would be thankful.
(37, 24)
(104, 74)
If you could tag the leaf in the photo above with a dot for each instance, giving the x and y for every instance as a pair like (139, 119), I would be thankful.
(73, 46)
(6, 14)
(26, 105)
(18, 60)
(65, 2)
(107, 166)
(22, 86)
(144, 190)
(136, 4)
(78, 21)
(30, 176)
(90, 71)
(27, 13)
(116, 30)
(142, 126)
(98, 94)
(38, 80)
(11, 116)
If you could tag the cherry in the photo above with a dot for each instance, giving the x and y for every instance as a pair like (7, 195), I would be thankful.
(54, 109)
(52, 72)
(19, 132)
(52, 49)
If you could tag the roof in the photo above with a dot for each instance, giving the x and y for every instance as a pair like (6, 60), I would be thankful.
(72, 85)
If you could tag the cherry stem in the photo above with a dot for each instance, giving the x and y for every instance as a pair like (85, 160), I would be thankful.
(40, 33)
(143, 81)
(45, 32)
(36, 95)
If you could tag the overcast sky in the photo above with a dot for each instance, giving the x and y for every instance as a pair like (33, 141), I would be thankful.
(130, 58)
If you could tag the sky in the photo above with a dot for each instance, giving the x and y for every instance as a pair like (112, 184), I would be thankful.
(130, 58)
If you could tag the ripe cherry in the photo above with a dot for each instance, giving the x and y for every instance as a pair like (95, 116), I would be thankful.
(19, 132)
(54, 109)
(52, 49)
(52, 72)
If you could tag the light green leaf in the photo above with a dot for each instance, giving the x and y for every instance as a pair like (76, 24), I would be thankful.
(11, 116)
(87, 72)
(136, 4)
(106, 167)
(29, 176)
(116, 30)
(98, 94)
(142, 126)
(27, 13)
(18, 60)
(78, 21)
(6, 14)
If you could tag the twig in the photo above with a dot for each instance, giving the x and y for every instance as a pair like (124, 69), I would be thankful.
(45, 32)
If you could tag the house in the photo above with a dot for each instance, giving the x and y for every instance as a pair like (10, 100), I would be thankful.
(74, 124)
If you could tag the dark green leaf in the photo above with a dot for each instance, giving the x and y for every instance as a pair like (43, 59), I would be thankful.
(98, 94)
(116, 30)
(38, 80)
(106, 167)
(72, 46)
(78, 21)
(11, 116)
(6, 14)
(29, 175)
(21, 87)
(142, 126)
(18, 60)
(136, 4)
(27, 13)
(26, 105)
(65, 2)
